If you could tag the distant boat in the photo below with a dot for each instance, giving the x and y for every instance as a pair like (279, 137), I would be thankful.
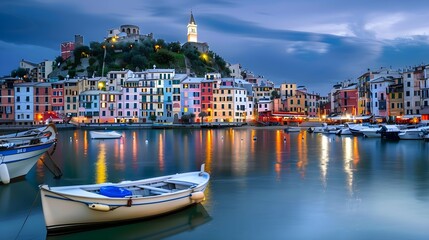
(105, 135)
(81, 206)
(371, 132)
(390, 132)
(417, 133)
(19, 152)
(292, 129)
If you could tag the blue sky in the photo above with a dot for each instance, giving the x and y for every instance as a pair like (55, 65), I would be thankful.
(312, 43)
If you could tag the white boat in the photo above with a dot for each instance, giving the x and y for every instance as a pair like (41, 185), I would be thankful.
(344, 131)
(355, 128)
(413, 133)
(19, 152)
(80, 206)
(292, 129)
(320, 129)
(104, 135)
(371, 132)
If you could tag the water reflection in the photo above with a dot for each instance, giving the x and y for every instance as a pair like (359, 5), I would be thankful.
(324, 159)
(302, 153)
(348, 162)
(100, 164)
(161, 149)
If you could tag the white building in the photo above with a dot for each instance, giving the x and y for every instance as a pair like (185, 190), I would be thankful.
(379, 95)
(24, 102)
(235, 70)
(412, 96)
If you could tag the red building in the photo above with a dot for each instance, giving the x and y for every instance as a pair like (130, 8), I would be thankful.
(57, 98)
(67, 49)
(346, 101)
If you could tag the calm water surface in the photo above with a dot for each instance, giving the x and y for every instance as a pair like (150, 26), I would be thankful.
(279, 186)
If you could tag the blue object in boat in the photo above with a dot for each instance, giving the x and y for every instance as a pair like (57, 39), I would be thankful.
(112, 191)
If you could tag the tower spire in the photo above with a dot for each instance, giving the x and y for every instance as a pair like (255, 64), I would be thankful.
(192, 20)
(192, 29)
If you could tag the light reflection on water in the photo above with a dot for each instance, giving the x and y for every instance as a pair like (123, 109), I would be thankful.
(289, 181)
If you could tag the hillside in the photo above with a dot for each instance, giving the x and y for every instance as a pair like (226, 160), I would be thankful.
(88, 60)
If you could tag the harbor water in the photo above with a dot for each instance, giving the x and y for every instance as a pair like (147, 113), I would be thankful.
(265, 184)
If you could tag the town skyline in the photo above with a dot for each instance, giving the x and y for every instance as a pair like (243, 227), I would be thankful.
(276, 41)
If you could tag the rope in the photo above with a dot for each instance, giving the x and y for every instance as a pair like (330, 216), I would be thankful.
(26, 218)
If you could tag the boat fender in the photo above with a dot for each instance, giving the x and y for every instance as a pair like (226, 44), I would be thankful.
(197, 197)
(4, 174)
(129, 202)
(99, 207)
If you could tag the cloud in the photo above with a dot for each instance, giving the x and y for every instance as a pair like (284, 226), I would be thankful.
(306, 47)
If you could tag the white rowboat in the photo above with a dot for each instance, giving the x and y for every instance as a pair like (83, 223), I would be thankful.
(105, 135)
(80, 206)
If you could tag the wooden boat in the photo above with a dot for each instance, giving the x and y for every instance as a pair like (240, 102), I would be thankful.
(19, 152)
(80, 206)
(162, 227)
(104, 135)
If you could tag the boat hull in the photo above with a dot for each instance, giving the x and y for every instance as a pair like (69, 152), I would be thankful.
(20, 160)
(411, 134)
(64, 210)
(292, 129)
(371, 132)
(105, 135)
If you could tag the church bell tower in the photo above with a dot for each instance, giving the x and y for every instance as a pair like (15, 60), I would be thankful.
(192, 30)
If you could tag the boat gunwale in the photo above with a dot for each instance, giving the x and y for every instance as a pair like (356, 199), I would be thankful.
(87, 189)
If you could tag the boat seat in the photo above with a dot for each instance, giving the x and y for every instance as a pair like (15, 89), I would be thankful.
(190, 184)
(154, 188)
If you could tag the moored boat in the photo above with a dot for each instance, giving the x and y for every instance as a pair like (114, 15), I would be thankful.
(80, 206)
(105, 134)
(390, 132)
(417, 133)
(20, 152)
(344, 131)
(371, 132)
(292, 129)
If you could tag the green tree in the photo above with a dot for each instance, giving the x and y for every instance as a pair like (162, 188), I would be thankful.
(275, 94)
(202, 115)
(174, 47)
(58, 61)
(79, 53)
(152, 117)
(139, 61)
(163, 57)
(19, 72)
